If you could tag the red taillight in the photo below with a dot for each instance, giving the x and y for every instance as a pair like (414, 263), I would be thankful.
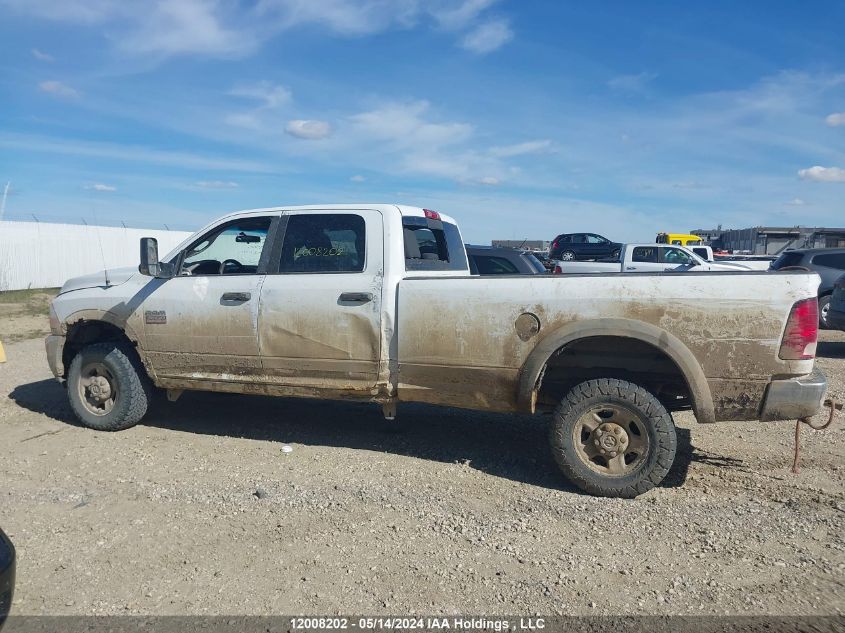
(802, 330)
(431, 215)
(558, 270)
(553, 246)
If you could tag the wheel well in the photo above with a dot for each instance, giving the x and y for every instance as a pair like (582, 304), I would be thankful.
(618, 357)
(84, 333)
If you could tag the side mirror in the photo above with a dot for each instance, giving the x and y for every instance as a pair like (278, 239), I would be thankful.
(150, 265)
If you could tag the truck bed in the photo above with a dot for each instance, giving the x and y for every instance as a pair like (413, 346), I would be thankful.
(465, 342)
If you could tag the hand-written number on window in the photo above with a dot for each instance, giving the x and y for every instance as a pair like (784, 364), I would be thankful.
(319, 251)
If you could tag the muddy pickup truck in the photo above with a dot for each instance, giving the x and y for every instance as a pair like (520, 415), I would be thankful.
(376, 303)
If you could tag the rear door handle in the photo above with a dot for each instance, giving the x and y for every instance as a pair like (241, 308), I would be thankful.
(236, 296)
(356, 297)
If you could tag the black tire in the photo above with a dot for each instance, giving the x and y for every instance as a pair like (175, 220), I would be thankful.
(571, 256)
(654, 427)
(824, 306)
(133, 390)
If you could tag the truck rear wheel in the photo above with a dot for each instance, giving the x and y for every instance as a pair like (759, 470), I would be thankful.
(612, 438)
(107, 387)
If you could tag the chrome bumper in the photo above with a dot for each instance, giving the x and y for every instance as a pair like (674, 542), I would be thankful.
(55, 347)
(794, 398)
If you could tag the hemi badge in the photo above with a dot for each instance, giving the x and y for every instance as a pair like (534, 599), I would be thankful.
(155, 316)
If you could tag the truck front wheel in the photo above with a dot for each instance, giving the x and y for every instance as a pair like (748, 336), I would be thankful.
(612, 438)
(107, 387)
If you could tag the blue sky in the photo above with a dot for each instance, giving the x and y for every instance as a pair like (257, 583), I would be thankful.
(523, 119)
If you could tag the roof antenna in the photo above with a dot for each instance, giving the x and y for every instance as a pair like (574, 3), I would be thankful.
(96, 227)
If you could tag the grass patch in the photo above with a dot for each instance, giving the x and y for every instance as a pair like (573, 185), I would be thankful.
(24, 314)
(23, 296)
(34, 302)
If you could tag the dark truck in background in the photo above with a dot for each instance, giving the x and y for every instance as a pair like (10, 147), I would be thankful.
(828, 263)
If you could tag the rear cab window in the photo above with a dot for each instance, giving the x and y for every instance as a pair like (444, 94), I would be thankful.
(787, 259)
(432, 245)
(488, 265)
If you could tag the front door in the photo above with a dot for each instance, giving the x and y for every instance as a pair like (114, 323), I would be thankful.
(202, 323)
(319, 319)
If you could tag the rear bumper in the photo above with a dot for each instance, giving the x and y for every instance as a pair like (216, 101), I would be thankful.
(794, 398)
(55, 347)
(836, 319)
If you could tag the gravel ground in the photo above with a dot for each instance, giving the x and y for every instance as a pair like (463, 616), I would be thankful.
(199, 510)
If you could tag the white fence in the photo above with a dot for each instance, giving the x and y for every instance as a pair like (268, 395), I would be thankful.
(42, 255)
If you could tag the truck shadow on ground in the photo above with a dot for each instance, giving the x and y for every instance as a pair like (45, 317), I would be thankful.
(510, 446)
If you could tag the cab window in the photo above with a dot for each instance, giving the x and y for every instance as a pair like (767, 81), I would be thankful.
(676, 256)
(232, 249)
(644, 254)
(324, 243)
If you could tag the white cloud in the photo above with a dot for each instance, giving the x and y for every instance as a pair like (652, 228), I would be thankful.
(269, 94)
(100, 187)
(835, 119)
(42, 56)
(456, 16)
(227, 28)
(489, 180)
(187, 26)
(631, 83)
(308, 129)
(58, 89)
(795, 202)
(216, 184)
(357, 178)
(403, 125)
(520, 149)
(823, 174)
(487, 37)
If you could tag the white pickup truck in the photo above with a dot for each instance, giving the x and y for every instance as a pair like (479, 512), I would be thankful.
(649, 258)
(376, 303)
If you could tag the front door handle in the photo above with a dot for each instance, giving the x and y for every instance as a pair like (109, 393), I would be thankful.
(631, 268)
(356, 297)
(236, 296)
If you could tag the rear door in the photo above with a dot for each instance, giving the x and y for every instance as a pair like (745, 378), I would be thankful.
(319, 318)
(643, 259)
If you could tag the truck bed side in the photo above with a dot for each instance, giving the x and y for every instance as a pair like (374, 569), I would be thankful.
(488, 343)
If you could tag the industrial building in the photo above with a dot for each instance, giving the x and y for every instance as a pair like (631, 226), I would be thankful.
(771, 240)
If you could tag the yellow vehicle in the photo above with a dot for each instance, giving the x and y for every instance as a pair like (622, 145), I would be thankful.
(679, 239)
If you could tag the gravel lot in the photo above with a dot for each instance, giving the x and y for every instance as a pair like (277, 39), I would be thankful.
(200, 511)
